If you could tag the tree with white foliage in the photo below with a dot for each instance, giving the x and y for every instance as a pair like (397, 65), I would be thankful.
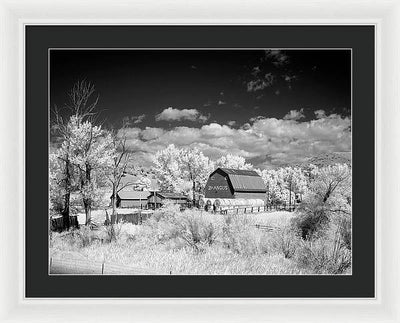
(91, 151)
(234, 162)
(182, 170)
(79, 106)
(59, 182)
(284, 183)
(144, 183)
(293, 180)
(196, 168)
(331, 178)
(270, 179)
(168, 169)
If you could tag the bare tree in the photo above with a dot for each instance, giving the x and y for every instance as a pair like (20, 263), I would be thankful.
(80, 107)
(80, 104)
(120, 166)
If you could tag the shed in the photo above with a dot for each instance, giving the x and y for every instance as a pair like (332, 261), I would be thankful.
(227, 183)
(157, 199)
(132, 199)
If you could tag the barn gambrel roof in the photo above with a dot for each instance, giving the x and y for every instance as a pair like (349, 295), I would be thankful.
(243, 180)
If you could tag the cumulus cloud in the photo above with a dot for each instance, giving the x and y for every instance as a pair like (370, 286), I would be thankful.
(319, 114)
(294, 115)
(151, 133)
(139, 119)
(172, 114)
(133, 119)
(257, 118)
(264, 141)
(231, 123)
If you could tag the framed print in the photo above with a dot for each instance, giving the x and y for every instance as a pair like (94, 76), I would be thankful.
(275, 108)
(216, 179)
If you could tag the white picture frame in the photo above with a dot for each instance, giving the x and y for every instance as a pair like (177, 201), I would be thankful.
(385, 15)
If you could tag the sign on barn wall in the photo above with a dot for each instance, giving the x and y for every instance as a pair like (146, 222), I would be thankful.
(218, 187)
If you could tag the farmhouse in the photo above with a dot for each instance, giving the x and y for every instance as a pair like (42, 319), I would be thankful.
(157, 199)
(132, 199)
(226, 183)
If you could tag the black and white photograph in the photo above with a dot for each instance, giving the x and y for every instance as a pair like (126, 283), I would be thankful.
(200, 161)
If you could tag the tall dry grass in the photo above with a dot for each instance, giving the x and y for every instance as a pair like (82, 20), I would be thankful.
(195, 242)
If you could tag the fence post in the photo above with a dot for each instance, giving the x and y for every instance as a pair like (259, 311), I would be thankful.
(102, 268)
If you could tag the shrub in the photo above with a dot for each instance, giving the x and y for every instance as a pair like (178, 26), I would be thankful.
(345, 231)
(78, 238)
(168, 210)
(196, 229)
(311, 218)
(112, 232)
(192, 228)
(210, 233)
(326, 254)
(241, 236)
(286, 241)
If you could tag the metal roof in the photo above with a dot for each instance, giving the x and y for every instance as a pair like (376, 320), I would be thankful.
(239, 172)
(169, 195)
(244, 180)
(133, 195)
(246, 183)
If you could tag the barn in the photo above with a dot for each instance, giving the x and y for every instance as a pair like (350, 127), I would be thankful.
(227, 183)
(132, 199)
(157, 199)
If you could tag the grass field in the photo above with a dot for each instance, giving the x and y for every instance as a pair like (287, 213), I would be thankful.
(193, 243)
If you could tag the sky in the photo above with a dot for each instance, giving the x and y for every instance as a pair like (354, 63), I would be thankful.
(270, 106)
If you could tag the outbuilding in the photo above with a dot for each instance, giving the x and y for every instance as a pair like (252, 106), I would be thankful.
(132, 199)
(227, 183)
(157, 199)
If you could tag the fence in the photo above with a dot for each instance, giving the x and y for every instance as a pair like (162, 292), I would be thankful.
(134, 218)
(257, 209)
(57, 222)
